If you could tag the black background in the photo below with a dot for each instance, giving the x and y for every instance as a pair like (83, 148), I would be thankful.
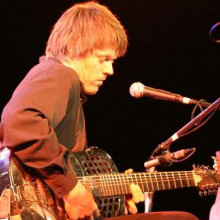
(169, 48)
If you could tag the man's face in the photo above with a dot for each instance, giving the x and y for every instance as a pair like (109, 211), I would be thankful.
(94, 69)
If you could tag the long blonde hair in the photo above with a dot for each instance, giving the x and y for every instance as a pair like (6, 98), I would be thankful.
(83, 28)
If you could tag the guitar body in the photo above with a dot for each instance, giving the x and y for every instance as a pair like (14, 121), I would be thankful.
(24, 196)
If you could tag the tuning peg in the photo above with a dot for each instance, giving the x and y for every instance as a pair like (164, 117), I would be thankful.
(210, 192)
(201, 193)
(214, 192)
(213, 157)
(199, 167)
(205, 167)
(215, 165)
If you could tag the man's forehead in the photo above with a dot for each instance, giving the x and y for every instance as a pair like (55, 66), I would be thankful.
(110, 53)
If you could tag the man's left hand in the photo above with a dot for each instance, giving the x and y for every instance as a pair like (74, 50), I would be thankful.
(137, 196)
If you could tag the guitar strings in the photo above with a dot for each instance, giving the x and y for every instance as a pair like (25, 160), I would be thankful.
(119, 182)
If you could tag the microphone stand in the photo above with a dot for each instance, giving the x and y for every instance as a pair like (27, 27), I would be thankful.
(166, 144)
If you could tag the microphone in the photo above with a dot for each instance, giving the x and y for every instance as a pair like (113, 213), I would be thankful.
(139, 90)
(168, 158)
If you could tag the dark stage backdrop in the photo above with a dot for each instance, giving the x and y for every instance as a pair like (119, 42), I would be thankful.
(169, 49)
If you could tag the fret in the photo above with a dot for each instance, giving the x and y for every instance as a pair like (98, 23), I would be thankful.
(109, 192)
(118, 185)
(156, 180)
(105, 184)
(124, 185)
(181, 183)
(169, 187)
(129, 181)
(141, 181)
(111, 183)
(177, 179)
(103, 188)
(151, 181)
(170, 176)
(163, 186)
(146, 183)
(174, 180)
(114, 183)
(89, 183)
(160, 181)
(136, 180)
(117, 182)
(183, 179)
(187, 180)
(192, 179)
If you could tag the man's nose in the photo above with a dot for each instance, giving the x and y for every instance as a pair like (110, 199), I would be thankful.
(108, 69)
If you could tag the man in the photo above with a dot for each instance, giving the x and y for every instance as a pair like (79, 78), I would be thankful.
(215, 209)
(44, 119)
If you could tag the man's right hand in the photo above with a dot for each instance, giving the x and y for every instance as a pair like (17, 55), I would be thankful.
(79, 203)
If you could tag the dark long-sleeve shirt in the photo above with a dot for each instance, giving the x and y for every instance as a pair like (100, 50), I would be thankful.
(44, 121)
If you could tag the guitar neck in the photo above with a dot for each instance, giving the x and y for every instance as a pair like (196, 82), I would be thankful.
(111, 184)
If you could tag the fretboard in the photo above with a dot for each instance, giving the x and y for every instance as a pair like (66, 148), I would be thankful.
(111, 184)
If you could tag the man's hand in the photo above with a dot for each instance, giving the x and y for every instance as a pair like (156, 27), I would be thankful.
(79, 203)
(215, 211)
(216, 165)
(137, 196)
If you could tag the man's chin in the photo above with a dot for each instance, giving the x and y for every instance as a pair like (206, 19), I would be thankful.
(91, 91)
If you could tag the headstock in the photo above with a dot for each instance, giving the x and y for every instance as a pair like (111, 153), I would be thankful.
(207, 180)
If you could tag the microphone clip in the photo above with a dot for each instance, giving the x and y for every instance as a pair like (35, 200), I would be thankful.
(164, 160)
(162, 148)
(167, 158)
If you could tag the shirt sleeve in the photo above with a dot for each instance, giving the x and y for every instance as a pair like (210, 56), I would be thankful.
(215, 210)
(28, 128)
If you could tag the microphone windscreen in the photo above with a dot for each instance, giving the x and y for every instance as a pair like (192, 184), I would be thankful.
(136, 89)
